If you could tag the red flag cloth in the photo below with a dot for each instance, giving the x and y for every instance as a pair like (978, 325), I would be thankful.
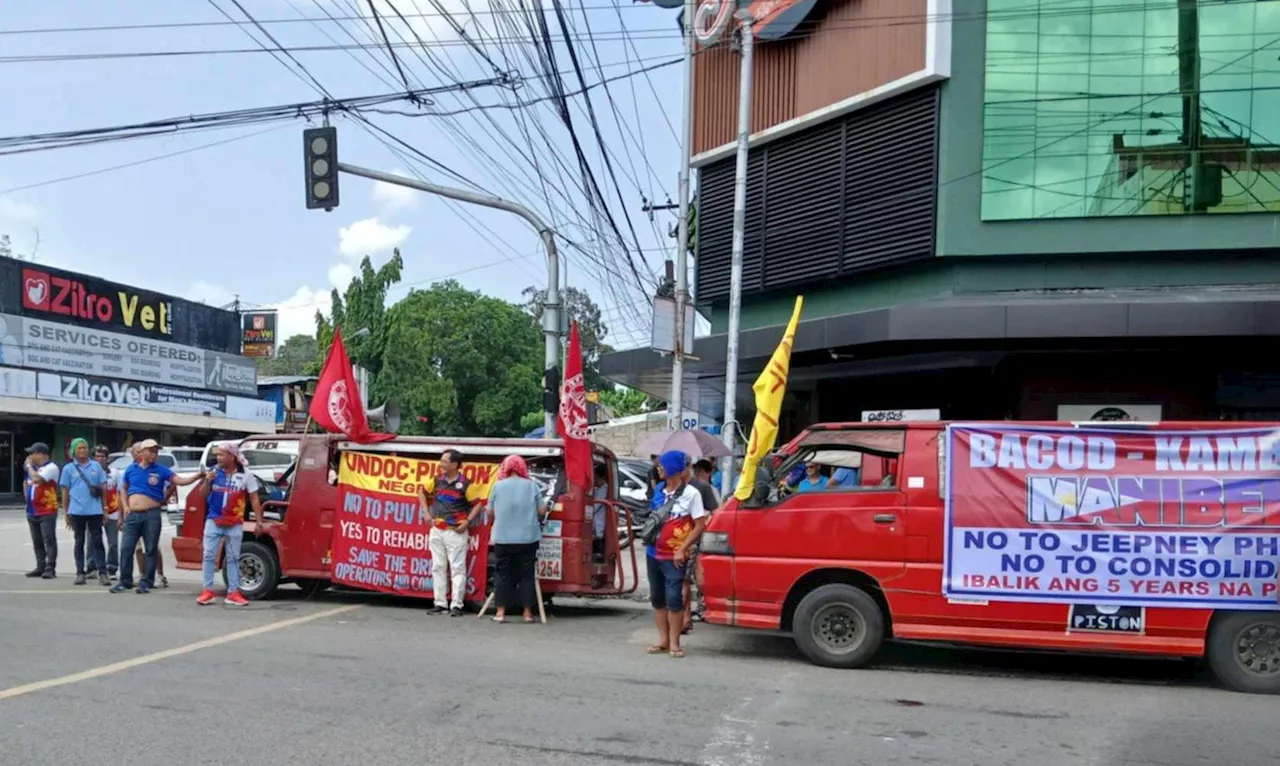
(572, 420)
(336, 404)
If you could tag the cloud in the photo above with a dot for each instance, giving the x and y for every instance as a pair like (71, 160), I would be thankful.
(207, 292)
(340, 275)
(370, 236)
(391, 198)
(296, 315)
(12, 210)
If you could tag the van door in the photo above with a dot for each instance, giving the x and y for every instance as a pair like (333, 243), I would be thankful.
(848, 527)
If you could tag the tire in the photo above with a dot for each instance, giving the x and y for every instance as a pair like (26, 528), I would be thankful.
(1244, 651)
(311, 587)
(259, 571)
(838, 626)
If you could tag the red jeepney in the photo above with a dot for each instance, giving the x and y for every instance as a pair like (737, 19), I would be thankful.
(847, 568)
(292, 541)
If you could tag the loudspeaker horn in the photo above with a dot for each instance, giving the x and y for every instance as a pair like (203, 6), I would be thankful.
(387, 416)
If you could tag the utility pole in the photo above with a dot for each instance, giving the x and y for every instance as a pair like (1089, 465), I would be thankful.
(550, 306)
(739, 235)
(675, 403)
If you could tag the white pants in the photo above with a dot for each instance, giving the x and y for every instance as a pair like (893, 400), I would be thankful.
(448, 556)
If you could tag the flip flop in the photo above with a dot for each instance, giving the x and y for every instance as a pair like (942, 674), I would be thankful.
(530, 620)
(676, 654)
(657, 649)
(499, 619)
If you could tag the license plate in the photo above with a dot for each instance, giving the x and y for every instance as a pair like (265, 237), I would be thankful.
(1106, 618)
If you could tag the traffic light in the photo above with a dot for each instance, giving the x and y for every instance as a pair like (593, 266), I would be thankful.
(551, 389)
(320, 150)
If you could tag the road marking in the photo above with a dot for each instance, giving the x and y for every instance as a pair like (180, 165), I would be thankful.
(146, 659)
(733, 743)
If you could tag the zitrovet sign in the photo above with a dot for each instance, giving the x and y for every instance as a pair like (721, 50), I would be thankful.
(55, 295)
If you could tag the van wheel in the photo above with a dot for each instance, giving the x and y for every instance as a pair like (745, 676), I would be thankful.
(1244, 652)
(259, 571)
(838, 626)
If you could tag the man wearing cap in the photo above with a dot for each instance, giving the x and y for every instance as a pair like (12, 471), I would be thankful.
(227, 492)
(144, 486)
(82, 485)
(41, 490)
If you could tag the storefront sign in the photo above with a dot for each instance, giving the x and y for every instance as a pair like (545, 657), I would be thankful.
(86, 389)
(381, 530)
(79, 350)
(54, 295)
(772, 19)
(1113, 516)
(258, 334)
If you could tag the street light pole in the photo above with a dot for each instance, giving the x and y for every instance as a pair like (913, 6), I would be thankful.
(550, 306)
(675, 408)
(739, 237)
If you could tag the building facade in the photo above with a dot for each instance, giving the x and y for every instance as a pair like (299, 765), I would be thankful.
(83, 357)
(997, 209)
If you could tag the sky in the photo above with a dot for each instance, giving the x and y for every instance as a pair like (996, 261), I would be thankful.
(215, 223)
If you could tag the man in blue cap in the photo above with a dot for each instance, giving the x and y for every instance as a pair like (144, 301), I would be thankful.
(668, 557)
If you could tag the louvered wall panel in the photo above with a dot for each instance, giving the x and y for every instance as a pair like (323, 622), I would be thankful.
(851, 195)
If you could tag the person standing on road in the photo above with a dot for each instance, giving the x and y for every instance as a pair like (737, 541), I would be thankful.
(41, 490)
(701, 481)
(518, 512)
(110, 510)
(445, 497)
(683, 521)
(231, 486)
(82, 485)
(135, 453)
(145, 487)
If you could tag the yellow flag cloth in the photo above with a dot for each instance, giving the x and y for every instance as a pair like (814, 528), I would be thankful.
(769, 388)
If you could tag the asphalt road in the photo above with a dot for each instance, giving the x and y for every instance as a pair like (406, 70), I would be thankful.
(349, 678)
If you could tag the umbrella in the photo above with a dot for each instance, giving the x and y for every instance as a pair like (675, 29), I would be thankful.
(694, 443)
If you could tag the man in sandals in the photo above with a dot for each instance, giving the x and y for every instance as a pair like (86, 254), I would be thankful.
(683, 519)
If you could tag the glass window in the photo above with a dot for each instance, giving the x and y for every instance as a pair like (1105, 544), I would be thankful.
(1085, 111)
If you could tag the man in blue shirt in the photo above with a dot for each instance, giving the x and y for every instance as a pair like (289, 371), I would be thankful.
(83, 482)
(144, 486)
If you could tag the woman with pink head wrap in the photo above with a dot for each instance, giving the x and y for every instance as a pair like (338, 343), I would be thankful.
(516, 503)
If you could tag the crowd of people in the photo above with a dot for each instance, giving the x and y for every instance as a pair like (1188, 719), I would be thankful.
(111, 511)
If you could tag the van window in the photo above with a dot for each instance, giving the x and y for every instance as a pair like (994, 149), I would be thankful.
(848, 461)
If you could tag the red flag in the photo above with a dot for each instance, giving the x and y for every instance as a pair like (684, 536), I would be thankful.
(336, 404)
(573, 417)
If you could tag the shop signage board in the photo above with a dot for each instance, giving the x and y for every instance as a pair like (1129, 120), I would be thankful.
(35, 343)
(258, 333)
(89, 389)
(65, 297)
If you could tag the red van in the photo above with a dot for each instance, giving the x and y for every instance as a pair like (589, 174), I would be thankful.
(848, 567)
(292, 541)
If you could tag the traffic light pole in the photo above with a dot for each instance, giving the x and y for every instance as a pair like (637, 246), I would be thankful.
(550, 306)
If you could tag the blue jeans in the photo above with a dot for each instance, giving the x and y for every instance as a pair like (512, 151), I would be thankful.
(144, 526)
(231, 560)
(666, 584)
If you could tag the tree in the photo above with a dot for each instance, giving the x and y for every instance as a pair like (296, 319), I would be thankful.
(471, 364)
(6, 246)
(624, 402)
(362, 305)
(591, 329)
(294, 357)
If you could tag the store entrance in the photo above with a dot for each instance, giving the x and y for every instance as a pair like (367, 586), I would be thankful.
(10, 465)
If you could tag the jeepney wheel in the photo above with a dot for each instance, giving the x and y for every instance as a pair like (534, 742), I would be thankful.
(838, 626)
(259, 571)
(1244, 651)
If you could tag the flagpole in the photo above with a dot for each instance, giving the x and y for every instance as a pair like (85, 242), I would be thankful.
(739, 235)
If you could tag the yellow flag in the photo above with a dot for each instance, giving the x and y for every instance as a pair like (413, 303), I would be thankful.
(769, 388)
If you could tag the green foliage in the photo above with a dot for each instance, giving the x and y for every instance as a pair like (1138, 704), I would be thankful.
(470, 363)
(532, 420)
(6, 246)
(362, 305)
(623, 401)
(293, 357)
(591, 329)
